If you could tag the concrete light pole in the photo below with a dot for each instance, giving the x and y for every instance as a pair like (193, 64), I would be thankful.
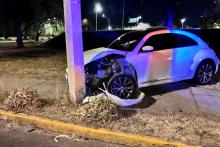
(98, 9)
(74, 43)
(109, 24)
(123, 15)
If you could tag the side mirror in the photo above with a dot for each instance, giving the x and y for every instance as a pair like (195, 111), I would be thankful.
(147, 48)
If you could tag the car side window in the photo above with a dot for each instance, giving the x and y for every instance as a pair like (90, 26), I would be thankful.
(169, 41)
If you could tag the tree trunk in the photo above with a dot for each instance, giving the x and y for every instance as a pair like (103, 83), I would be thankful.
(19, 34)
(37, 37)
(38, 31)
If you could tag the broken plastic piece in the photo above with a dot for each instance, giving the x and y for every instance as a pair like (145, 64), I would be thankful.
(116, 100)
(56, 139)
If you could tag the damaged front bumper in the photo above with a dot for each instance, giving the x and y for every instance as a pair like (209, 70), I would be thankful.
(101, 71)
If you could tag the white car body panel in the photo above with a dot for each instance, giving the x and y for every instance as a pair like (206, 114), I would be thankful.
(202, 55)
(152, 66)
(99, 53)
(163, 66)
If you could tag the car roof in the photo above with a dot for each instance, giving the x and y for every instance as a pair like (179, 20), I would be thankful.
(144, 32)
(152, 29)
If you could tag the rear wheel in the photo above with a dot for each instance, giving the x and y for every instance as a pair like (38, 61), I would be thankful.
(122, 86)
(204, 73)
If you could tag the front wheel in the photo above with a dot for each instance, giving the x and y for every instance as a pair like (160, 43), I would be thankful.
(122, 86)
(204, 73)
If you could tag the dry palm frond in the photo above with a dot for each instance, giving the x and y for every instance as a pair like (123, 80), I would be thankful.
(23, 100)
(100, 111)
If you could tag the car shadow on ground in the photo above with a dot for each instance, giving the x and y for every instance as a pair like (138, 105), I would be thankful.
(146, 102)
(152, 91)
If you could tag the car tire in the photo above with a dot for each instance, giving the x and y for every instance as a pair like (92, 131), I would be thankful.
(123, 86)
(204, 73)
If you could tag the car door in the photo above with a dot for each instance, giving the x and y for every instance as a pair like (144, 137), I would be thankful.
(155, 65)
(160, 59)
(171, 58)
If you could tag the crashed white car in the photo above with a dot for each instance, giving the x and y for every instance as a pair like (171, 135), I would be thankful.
(142, 58)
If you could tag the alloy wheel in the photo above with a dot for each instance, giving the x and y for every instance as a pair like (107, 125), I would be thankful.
(122, 86)
(205, 73)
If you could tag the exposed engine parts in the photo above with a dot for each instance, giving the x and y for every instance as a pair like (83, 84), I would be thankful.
(115, 72)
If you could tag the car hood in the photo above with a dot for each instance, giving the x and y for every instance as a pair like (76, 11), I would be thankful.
(99, 53)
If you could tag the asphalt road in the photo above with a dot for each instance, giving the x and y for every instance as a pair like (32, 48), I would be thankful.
(12, 135)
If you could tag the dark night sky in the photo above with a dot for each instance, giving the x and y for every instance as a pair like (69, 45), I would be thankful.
(151, 10)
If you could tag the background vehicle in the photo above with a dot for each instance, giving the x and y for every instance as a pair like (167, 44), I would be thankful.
(150, 57)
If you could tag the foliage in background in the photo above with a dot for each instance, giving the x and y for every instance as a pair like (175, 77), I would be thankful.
(25, 17)
(210, 17)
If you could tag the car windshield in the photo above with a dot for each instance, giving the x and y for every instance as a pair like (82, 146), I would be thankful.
(128, 41)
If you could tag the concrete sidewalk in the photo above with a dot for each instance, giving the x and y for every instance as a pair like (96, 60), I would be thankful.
(182, 97)
(207, 100)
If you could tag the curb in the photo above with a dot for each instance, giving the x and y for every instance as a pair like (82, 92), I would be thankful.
(98, 134)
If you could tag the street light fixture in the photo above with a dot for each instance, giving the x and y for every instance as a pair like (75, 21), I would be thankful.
(183, 20)
(98, 9)
(109, 24)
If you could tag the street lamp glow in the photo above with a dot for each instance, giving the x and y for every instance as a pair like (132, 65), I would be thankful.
(103, 15)
(85, 21)
(98, 8)
(139, 17)
(109, 27)
(183, 20)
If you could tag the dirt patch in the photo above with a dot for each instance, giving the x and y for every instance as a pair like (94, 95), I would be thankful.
(186, 128)
(33, 63)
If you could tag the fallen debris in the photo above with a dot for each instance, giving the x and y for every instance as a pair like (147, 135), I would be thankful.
(100, 111)
(114, 99)
(104, 108)
(56, 139)
(23, 100)
(62, 136)
(31, 130)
